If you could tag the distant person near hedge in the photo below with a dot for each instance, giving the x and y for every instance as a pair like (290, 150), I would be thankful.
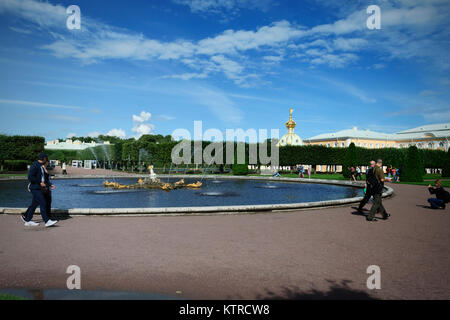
(352, 173)
(64, 168)
(442, 196)
(40, 187)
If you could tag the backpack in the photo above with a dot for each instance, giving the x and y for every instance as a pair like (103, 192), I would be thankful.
(375, 185)
(447, 196)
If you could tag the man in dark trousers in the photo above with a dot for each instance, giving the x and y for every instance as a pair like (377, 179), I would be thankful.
(369, 176)
(442, 196)
(377, 189)
(39, 185)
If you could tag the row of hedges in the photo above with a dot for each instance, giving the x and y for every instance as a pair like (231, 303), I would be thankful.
(20, 147)
(159, 154)
(157, 150)
(16, 152)
(321, 155)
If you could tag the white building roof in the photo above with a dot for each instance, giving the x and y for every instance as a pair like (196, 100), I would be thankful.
(70, 145)
(352, 133)
(428, 128)
(424, 132)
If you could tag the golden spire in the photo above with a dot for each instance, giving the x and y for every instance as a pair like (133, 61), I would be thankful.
(291, 123)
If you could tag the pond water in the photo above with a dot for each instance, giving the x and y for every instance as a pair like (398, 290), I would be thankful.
(90, 193)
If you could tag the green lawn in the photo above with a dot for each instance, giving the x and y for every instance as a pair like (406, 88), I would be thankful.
(7, 175)
(10, 297)
(330, 176)
(445, 183)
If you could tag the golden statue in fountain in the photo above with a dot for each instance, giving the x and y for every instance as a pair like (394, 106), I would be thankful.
(152, 182)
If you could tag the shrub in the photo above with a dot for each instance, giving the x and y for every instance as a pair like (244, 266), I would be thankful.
(446, 168)
(16, 165)
(412, 170)
(350, 160)
(240, 169)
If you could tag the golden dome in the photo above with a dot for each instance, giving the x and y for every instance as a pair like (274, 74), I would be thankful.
(291, 123)
(290, 138)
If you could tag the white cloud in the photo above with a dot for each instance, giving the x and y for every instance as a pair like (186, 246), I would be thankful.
(143, 128)
(410, 30)
(219, 5)
(94, 134)
(164, 117)
(348, 88)
(117, 133)
(38, 104)
(71, 135)
(188, 76)
(217, 102)
(143, 117)
(141, 124)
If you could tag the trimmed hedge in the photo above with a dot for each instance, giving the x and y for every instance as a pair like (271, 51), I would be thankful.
(446, 168)
(350, 160)
(16, 165)
(412, 170)
(20, 147)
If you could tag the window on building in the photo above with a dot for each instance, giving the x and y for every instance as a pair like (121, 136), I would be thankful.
(430, 145)
(441, 144)
(365, 144)
(377, 146)
(328, 145)
(359, 144)
(342, 144)
(371, 145)
(335, 144)
(382, 145)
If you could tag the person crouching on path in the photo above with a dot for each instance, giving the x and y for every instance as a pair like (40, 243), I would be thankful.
(39, 185)
(442, 196)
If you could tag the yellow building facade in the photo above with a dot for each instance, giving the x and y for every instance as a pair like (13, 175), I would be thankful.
(434, 137)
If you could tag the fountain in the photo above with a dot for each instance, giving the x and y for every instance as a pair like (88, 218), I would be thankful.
(152, 182)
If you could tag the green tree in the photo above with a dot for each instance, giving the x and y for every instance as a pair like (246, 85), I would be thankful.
(240, 168)
(446, 167)
(412, 170)
(350, 160)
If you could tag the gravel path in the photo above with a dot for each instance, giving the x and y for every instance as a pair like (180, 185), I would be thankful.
(305, 254)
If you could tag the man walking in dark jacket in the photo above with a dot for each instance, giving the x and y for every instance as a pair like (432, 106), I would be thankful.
(442, 196)
(369, 193)
(39, 185)
(377, 189)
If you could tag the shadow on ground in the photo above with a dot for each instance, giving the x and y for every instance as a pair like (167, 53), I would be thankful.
(336, 291)
(60, 216)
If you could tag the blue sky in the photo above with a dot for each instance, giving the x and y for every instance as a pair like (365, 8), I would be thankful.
(140, 67)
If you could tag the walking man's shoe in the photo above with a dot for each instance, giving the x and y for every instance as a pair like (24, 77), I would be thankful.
(31, 224)
(50, 223)
(23, 217)
(386, 215)
(371, 219)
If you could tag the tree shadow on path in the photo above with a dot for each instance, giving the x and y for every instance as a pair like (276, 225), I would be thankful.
(336, 291)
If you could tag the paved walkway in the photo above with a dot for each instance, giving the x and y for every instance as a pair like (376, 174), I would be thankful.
(305, 254)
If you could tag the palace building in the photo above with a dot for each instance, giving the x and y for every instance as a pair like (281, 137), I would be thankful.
(435, 136)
